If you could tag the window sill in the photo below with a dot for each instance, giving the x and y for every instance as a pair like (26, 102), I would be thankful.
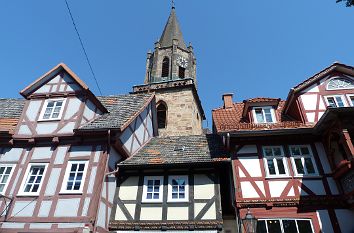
(47, 120)
(307, 176)
(278, 177)
(68, 193)
(151, 201)
(27, 195)
(178, 201)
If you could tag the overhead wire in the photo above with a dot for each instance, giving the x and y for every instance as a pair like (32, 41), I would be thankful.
(82, 46)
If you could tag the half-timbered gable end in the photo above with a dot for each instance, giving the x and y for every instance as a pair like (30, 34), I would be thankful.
(57, 103)
(171, 184)
(66, 182)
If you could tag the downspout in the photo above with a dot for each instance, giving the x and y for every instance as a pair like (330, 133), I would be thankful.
(103, 180)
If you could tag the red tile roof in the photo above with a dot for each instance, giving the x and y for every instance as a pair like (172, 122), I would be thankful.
(230, 120)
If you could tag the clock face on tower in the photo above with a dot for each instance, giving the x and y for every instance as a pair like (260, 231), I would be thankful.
(182, 62)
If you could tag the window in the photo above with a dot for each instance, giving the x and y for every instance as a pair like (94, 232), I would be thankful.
(5, 175)
(161, 115)
(31, 185)
(263, 115)
(152, 190)
(165, 67)
(340, 83)
(351, 100)
(284, 226)
(74, 178)
(177, 188)
(302, 160)
(53, 109)
(181, 72)
(275, 161)
(335, 101)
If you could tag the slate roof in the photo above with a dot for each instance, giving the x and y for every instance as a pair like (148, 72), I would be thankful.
(179, 150)
(231, 120)
(172, 31)
(121, 109)
(10, 112)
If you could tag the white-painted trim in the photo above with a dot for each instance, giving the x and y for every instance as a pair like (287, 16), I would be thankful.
(334, 97)
(25, 179)
(349, 100)
(10, 175)
(63, 189)
(45, 107)
(339, 77)
(296, 174)
(186, 189)
(265, 158)
(146, 178)
(264, 107)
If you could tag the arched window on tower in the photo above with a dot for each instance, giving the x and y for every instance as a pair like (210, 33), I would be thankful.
(165, 67)
(181, 72)
(161, 115)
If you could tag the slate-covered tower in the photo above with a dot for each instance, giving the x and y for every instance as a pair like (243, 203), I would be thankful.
(171, 74)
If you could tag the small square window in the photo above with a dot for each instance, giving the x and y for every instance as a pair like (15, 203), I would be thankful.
(302, 160)
(153, 189)
(275, 161)
(264, 115)
(5, 176)
(52, 109)
(335, 101)
(31, 185)
(178, 188)
(74, 177)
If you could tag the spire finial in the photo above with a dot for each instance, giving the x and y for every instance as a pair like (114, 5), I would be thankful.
(173, 4)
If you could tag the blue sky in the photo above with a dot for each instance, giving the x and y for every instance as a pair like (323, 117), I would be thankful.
(250, 48)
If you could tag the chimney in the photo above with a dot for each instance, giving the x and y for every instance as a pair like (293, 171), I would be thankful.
(227, 98)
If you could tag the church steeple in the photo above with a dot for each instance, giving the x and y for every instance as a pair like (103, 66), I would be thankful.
(172, 31)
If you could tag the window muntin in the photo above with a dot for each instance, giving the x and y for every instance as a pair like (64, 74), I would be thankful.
(284, 226)
(340, 83)
(335, 101)
(153, 189)
(74, 178)
(5, 176)
(263, 115)
(351, 99)
(177, 188)
(52, 109)
(275, 161)
(302, 160)
(33, 181)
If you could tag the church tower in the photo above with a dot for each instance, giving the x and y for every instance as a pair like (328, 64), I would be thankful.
(171, 74)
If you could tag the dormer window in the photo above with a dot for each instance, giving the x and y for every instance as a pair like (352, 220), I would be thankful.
(263, 114)
(52, 110)
(335, 101)
(338, 83)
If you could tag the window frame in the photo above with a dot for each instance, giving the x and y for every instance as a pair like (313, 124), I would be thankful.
(272, 112)
(334, 97)
(349, 96)
(63, 189)
(159, 200)
(311, 156)
(10, 176)
(284, 159)
(25, 179)
(338, 78)
(287, 219)
(44, 107)
(186, 189)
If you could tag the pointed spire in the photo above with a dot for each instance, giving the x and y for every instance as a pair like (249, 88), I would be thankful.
(172, 31)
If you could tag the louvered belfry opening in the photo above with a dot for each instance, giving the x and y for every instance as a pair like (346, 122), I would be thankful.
(181, 72)
(161, 115)
(165, 67)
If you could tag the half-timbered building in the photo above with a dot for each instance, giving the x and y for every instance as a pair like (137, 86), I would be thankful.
(59, 147)
(292, 159)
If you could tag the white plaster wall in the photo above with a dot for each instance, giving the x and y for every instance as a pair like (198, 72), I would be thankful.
(114, 158)
(11, 155)
(128, 190)
(324, 221)
(310, 116)
(247, 149)
(210, 214)
(151, 213)
(203, 187)
(33, 109)
(345, 220)
(277, 187)
(177, 213)
(252, 165)
(73, 107)
(67, 207)
(248, 190)
(309, 101)
(313, 88)
(333, 186)
(316, 186)
(120, 215)
(23, 208)
(46, 127)
(42, 153)
(323, 157)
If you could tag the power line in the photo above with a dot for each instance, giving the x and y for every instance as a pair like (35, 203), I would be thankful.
(82, 46)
